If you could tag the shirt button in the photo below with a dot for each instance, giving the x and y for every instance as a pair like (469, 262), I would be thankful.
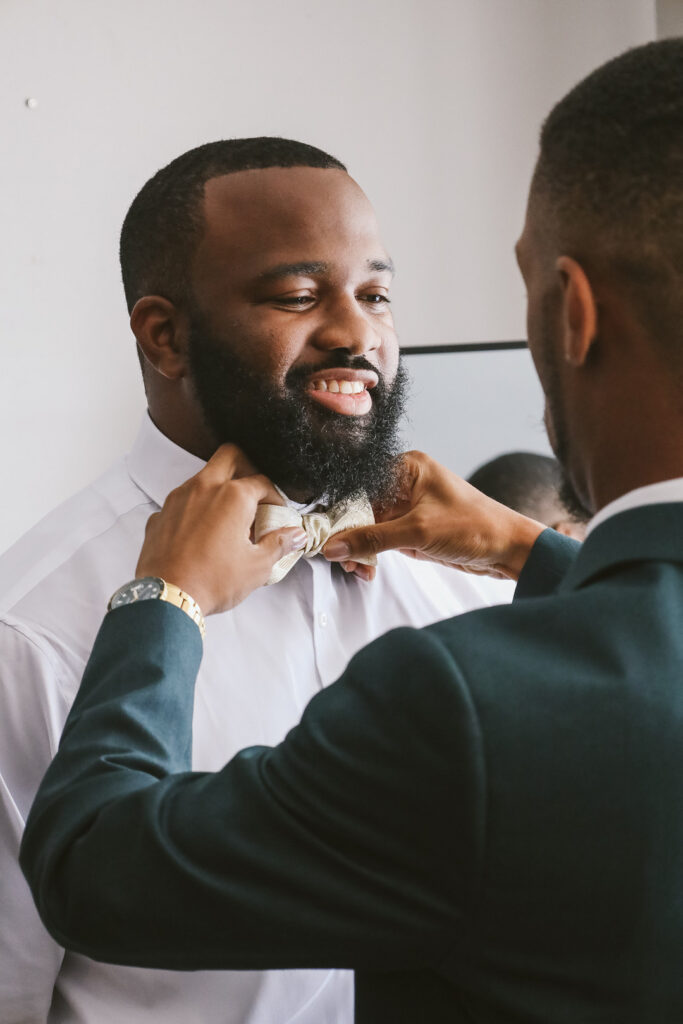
(322, 619)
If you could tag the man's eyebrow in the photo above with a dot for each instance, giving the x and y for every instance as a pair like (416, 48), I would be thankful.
(304, 269)
(382, 265)
(312, 268)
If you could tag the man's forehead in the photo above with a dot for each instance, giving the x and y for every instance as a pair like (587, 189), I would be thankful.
(287, 214)
(283, 191)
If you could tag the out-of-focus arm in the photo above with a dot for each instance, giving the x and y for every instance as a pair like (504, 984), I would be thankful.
(32, 710)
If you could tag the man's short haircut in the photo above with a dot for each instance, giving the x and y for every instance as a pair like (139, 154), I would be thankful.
(164, 223)
(610, 179)
(526, 482)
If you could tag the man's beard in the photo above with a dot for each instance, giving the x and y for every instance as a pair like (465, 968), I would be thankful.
(572, 502)
(307, 450)
(568, 495)
(556, 426)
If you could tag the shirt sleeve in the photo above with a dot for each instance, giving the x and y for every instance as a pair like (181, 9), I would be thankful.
(31, 710)
(354, 843)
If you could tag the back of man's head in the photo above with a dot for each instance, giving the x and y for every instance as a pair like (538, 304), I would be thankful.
(609, 182)
(164, 223)
(528, 483)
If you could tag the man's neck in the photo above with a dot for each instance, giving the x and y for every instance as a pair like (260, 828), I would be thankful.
(182, 423)
(642, 453)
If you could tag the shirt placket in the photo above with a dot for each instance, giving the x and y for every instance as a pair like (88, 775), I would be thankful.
(325, 626)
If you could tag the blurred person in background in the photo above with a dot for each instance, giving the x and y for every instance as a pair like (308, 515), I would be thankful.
(533, 485)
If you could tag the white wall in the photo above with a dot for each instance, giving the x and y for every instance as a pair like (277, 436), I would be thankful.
(434, 105)
(467, 408)
(669, 18)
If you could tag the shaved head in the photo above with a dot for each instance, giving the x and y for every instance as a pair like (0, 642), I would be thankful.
(608, 186)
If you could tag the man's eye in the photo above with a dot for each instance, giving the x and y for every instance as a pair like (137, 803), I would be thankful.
(376, 299)
(294, 300)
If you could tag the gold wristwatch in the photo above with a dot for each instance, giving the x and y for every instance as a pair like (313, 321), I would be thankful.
(150, 588)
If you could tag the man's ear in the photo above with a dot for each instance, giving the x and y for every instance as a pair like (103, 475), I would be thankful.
(161, 332)
(579, 311)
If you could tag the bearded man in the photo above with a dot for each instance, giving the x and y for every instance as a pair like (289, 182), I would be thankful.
(259, 296)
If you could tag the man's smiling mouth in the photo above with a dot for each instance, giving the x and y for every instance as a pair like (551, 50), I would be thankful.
(344, 391)
(342, 387)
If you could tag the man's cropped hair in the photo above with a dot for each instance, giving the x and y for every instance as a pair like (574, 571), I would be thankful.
(164, 223)
(611, 172)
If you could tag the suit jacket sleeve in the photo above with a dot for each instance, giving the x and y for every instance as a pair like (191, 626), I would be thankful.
(547, 565)
(356, 842)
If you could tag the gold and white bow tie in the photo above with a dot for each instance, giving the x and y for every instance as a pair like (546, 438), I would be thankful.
(318, 527)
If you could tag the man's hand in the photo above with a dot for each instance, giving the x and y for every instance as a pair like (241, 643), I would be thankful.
(201, 538)
(441, 518)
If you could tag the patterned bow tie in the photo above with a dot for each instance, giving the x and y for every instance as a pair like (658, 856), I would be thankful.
(318, 526)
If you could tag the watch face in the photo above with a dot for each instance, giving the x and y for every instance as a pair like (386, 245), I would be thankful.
(137, 590)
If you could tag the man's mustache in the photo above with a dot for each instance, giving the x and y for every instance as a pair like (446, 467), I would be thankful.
(298, 374)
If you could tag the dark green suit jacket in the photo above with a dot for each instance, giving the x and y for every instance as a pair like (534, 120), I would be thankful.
(484, 818)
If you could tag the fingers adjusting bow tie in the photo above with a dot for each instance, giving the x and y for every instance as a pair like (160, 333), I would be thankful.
(318, 526)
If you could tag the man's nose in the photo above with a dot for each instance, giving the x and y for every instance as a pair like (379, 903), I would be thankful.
(345, 325)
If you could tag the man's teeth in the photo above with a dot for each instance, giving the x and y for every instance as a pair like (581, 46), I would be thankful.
(342, 387)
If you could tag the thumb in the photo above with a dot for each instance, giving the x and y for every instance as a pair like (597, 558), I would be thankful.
(369, 540)
(278, 543)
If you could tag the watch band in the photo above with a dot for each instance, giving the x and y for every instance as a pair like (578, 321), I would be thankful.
(174, 595)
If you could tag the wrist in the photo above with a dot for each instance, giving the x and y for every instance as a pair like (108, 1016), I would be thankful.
(520, 538)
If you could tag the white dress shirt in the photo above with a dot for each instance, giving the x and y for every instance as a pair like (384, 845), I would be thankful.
(263, 661)
(662, 493)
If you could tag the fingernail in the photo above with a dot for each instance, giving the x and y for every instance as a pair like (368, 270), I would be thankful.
(337, 550)
(298, 540)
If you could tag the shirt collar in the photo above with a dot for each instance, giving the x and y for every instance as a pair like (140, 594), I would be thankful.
(653, 494)
(158, 465)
